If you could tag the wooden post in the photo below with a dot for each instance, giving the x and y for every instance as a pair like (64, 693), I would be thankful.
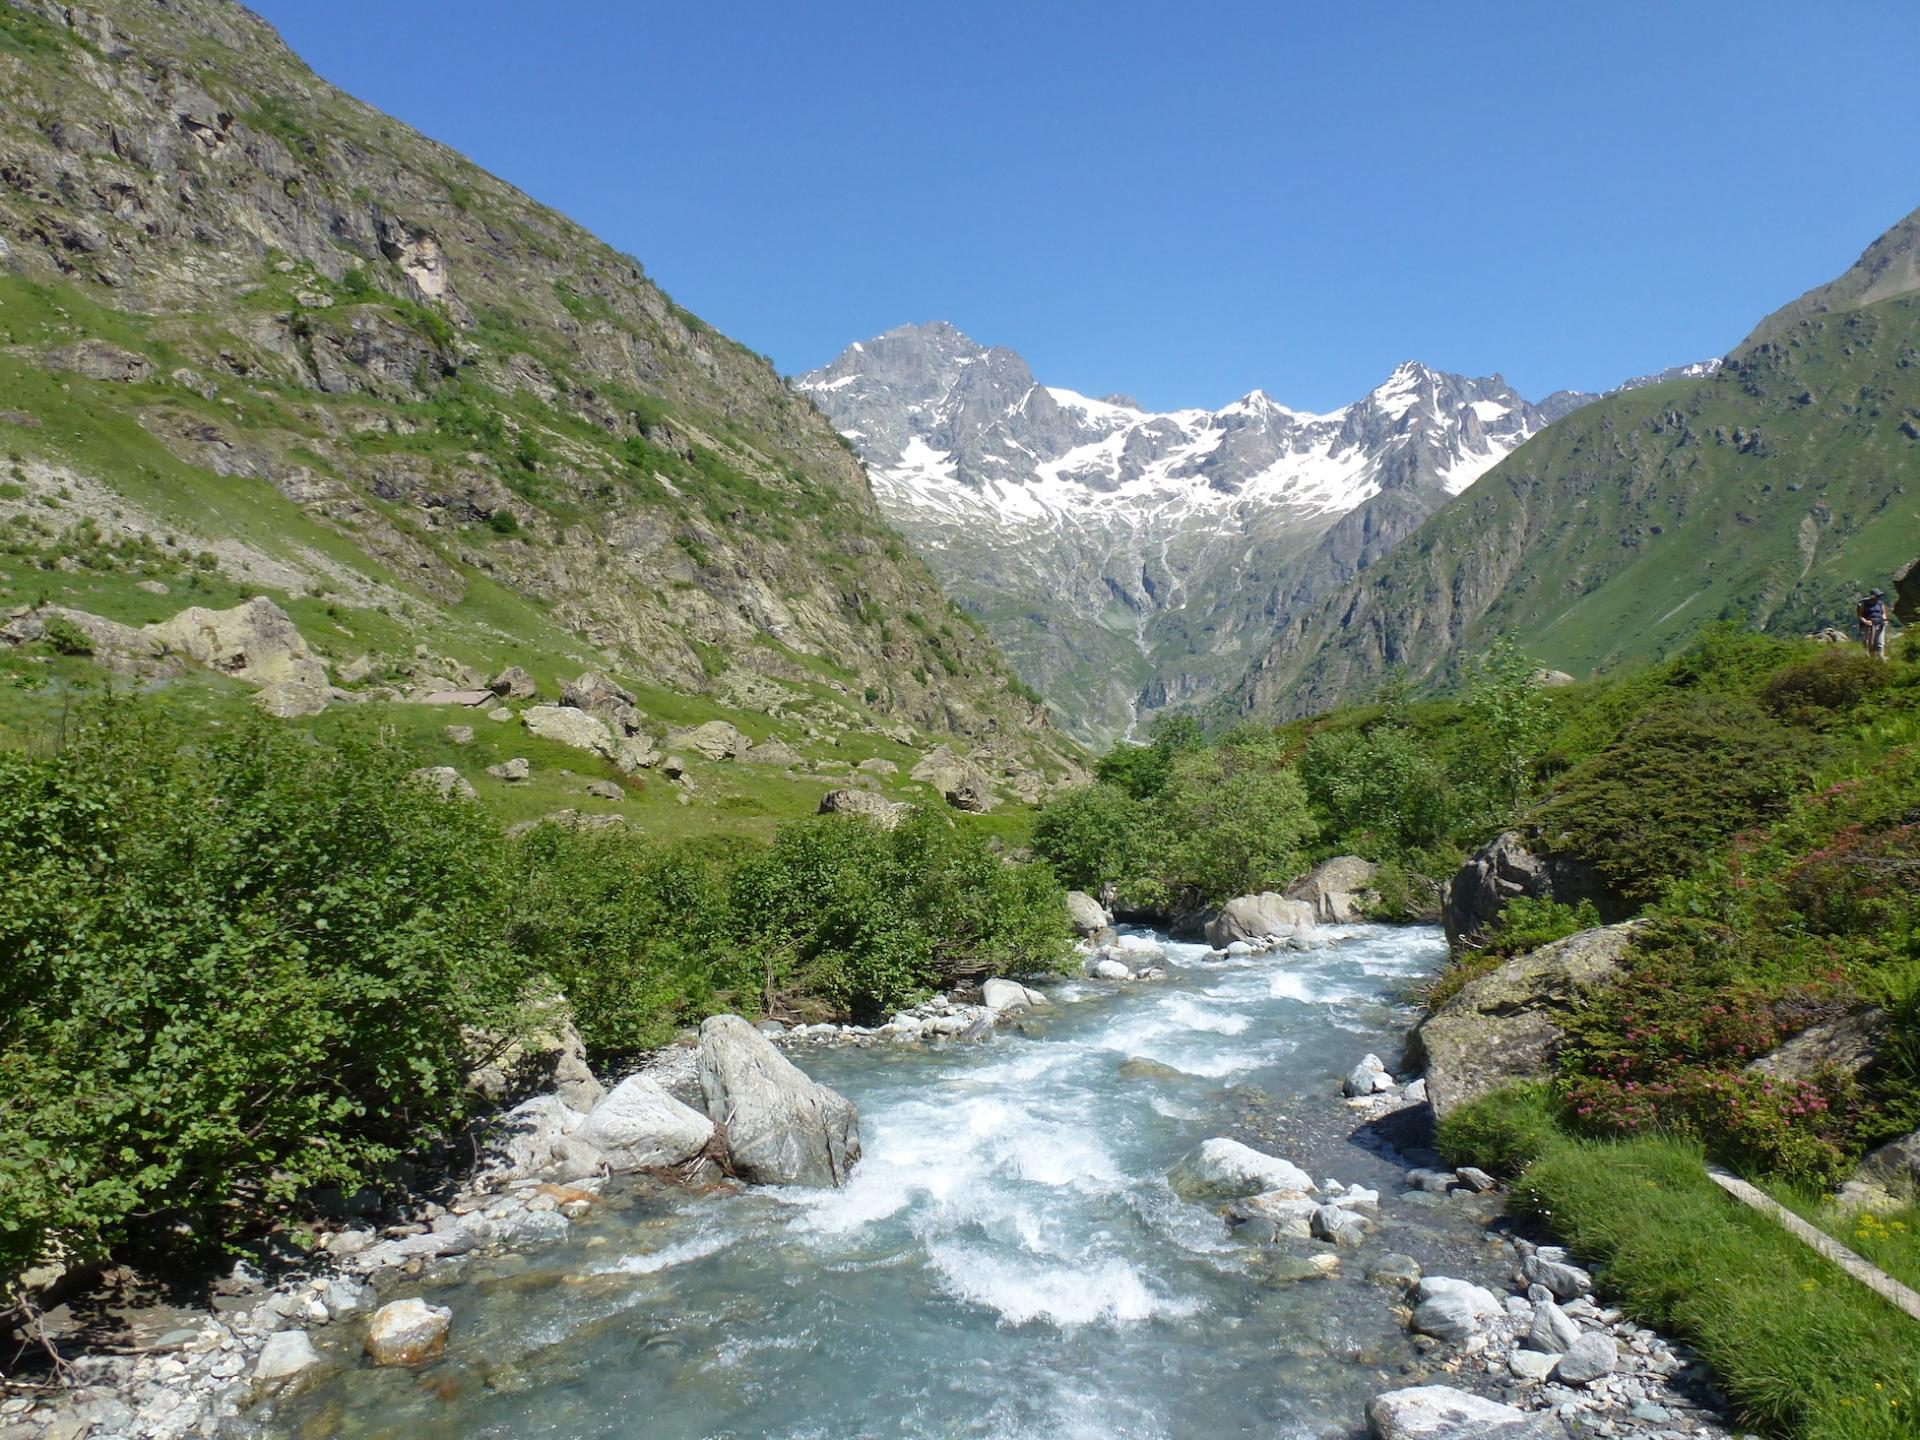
(1869, 1275)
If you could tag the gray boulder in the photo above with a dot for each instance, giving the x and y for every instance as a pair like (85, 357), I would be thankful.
(717, 740)
(287, 1353)
(1894, 1166)
(1439, 1412)
(256, 642)
(568, 726)
(1339, 890)
(1450, 1309)
(1504, 868)
(639, 1126)
(1552, 1333)
(1369, 1077)
(781, 1128)
(1257, 917)
(513, 683)
(512, 771)
(444, 781)
(1567, 1282)
(1221, 1169)
(1906, 592)
(1847, 1045)
(1089, 917)
(1505, 1026)
(1592, 1357)
(887, 814)
(1006, 995)
(533, 1138)
(971, 798)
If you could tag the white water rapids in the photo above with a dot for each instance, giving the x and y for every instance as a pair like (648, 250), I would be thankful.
(1007, 1260)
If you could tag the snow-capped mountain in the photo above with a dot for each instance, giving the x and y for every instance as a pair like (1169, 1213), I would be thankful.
(1127, 559)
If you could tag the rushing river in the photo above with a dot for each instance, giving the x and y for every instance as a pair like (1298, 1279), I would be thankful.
(1007, 1260)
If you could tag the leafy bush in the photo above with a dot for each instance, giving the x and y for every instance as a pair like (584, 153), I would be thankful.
(838, 908)
(66, 638)
(1824, 687)
(1238, 819)
(1381, 791)
(1528, 923)
(627, 931)
(1502, 1133)
(230, 969)
(1099, 834)
(1673, 787)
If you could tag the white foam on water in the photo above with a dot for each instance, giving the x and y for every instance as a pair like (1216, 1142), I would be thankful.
(668, 1256)
(1312, 989)
(1193, 1016)
(1023, 1290)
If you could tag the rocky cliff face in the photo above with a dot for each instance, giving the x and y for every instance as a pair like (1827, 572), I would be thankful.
(1127, 560)
(1772, 489)
(243, 311)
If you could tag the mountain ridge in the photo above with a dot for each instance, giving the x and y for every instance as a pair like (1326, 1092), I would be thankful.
(1130, 560)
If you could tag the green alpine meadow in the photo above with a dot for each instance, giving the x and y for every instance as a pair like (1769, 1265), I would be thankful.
(563, 875)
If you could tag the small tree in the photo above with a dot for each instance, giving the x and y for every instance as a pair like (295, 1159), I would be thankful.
(1509, 708)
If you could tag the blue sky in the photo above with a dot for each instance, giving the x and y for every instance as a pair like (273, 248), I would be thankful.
(1184, 202)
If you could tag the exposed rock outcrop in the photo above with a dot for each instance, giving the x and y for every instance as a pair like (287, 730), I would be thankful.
(887, 814)
(1846, 1045)
(781, 1127)
(1506, 1025)
(1906, 592)
(1505, 867)
(1086, 913)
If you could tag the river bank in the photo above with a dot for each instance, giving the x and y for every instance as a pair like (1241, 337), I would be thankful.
(1008, 1259)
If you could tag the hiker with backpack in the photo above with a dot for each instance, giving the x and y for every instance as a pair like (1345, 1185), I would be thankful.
(1871, 613)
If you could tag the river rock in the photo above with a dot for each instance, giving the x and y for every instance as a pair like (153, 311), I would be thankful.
(1257, 917)
(1289, 1212)
(1439, 1412)
(1505, 1026)
(639, 1126)
(408, 1332)
(1451, 1309)
(1533, 1365)
(1369, 1077)
(1552, 1333)
(781, 1127)
(1504, 868)
(1004, 995)
(287, 1353)
(1101, 967)
(1340, 1226)
(1567, 1282)
(1590, 1358)
(1340, 890)
(1086, 913)
(531, 1139)
(1221, 1169)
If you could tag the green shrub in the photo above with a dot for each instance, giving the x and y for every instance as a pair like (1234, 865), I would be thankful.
(1824, 687)
(1528, 923)
(1380, 791)
(1099, 834)
(1502, 1133)
(1665, 795)
(231, 968)
(1238, 819)
(628, 930)
(64, 637)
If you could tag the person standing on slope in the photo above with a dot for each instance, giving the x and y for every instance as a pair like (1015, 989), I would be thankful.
(1872, 616)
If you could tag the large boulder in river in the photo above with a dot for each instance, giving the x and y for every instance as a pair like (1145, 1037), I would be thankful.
(781, 1127)
(1089, 917)
(1257, 917)
(639, 1126)
(1227, 1170)
(1504, 868)
(1439, 1412)
(1339, 890)
(1506, 1026)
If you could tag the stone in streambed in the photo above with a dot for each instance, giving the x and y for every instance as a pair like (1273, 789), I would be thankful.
(1592, 1357)
(1552, 1333)
(781, 1127)
(1567, 1282)
(408, 1332)
(1007, 995)
(639, 1126)
(1087, 915)
(1222, 1169)
(285, 1355)
(1439, 1412)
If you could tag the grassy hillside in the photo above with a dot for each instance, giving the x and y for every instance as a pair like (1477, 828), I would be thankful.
(263, 339)
(1772, 492)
